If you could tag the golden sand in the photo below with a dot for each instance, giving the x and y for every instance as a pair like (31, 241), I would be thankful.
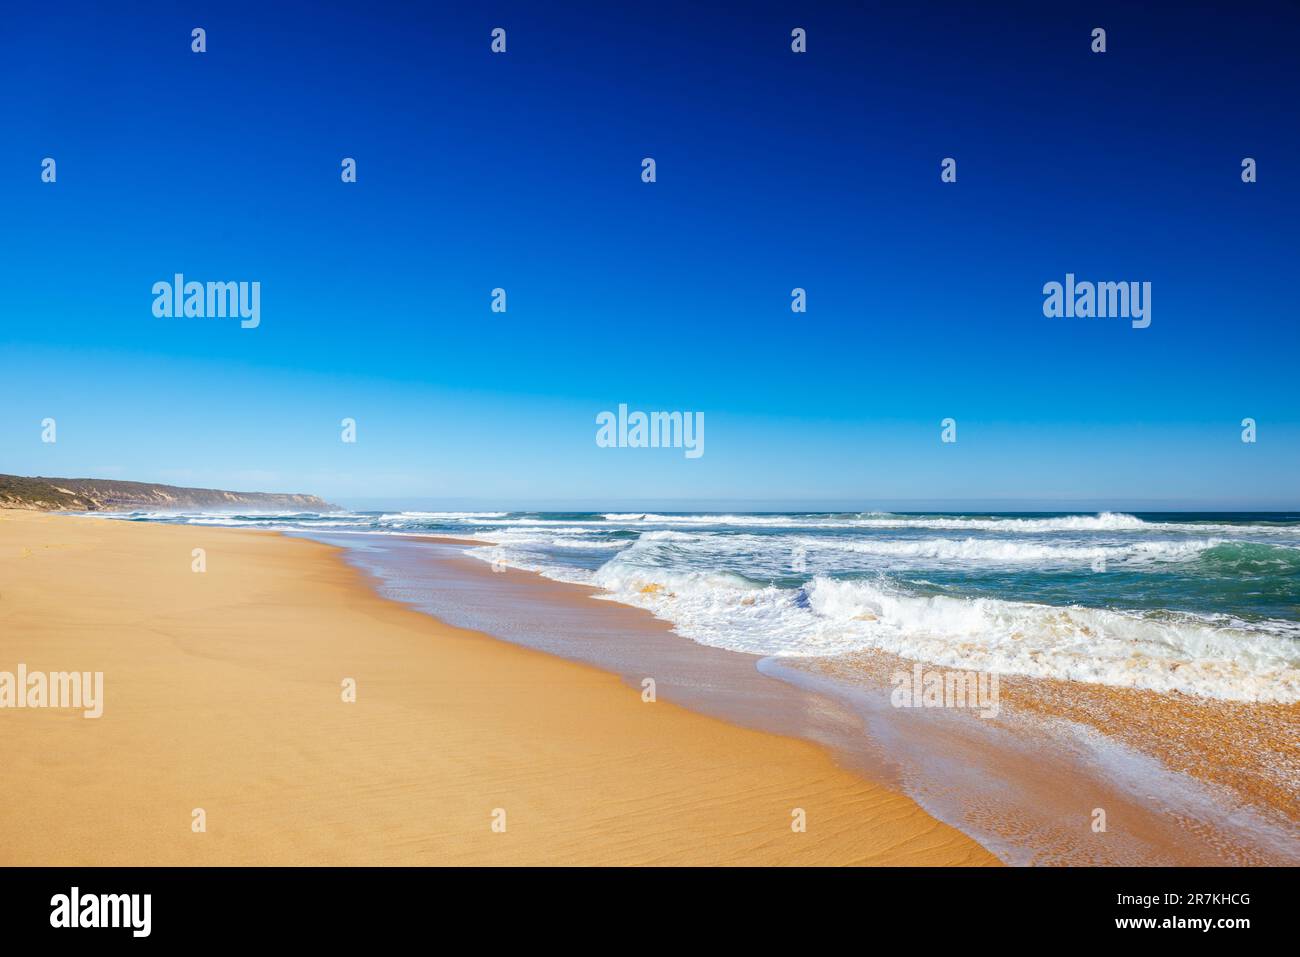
(223, 691)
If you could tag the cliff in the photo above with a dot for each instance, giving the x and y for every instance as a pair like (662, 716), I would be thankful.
(100, 495)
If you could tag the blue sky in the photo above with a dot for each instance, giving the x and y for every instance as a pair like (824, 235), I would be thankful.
(775, 170)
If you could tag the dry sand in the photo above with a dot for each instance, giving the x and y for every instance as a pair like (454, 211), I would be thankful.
(223, 692)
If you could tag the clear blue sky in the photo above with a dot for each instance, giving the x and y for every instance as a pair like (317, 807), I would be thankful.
(775, 170)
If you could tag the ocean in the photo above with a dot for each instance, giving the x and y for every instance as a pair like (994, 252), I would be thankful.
(1206, 604)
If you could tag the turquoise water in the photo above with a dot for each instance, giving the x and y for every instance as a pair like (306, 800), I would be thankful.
(1199, 603)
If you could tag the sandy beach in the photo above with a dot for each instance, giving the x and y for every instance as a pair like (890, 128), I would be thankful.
(223, 691)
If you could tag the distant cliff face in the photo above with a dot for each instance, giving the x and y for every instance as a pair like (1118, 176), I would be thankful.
(102, 495)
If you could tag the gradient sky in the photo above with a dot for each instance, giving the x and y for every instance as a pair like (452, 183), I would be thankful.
(775, 170)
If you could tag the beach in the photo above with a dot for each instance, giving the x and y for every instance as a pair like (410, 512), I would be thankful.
(224, 702)
(1054, 773)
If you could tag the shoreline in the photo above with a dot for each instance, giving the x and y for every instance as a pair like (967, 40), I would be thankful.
(222, 693)
(1180, 780)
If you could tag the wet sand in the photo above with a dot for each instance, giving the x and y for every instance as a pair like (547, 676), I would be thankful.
(1178, 780)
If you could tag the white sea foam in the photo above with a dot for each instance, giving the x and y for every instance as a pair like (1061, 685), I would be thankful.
(270, 520)
(1004, 551)
(1103, 522)
(1166, 652)
(439, 516)
(1106, 521)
